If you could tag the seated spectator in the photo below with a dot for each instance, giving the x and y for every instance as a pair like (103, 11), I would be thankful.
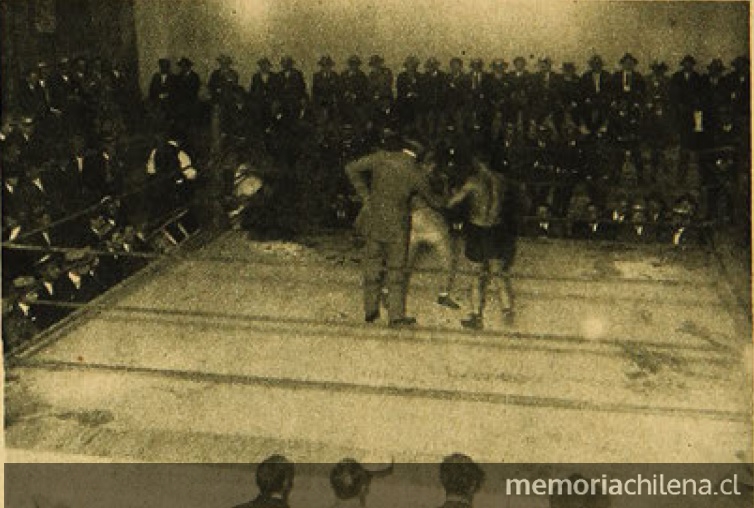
(461, 478)
(275, 481)
(350, 482)
(19, 319)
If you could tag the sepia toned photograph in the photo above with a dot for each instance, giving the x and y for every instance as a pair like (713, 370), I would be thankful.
(388, 253)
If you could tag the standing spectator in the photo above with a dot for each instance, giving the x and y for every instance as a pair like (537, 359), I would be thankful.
(291, 92)
(262, 95)
(326, 92)
(686, 96)
(186, 92)
(595, 94)
(520, 97)
(408, 95)
(162, 91)
(433, 88)
(457, 95)
(222, 79)
(355, 93)
(380, 92)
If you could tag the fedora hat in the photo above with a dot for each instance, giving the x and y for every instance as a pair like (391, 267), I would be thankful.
(224, 59)
(185, 62)
(376, 60)
(326, 61)
(411, 62)
(659, 66)
(628, 57)
(688, 59)
(354, 60)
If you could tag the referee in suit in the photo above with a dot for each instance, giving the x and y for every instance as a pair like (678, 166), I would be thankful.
(386, 181)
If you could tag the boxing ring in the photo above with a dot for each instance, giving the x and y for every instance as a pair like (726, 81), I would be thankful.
(239, 349)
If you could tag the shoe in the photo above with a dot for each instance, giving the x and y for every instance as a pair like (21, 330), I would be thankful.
(473, 322)
(371, 317)
(404, 321)
(447, 301)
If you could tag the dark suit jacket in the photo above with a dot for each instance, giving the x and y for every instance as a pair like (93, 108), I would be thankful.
(162, 92)
(408, 86)
(355, 86)
(326, 89)
(291, 87)
(386, 182)
(457, 90)
(686, 92)
(433, 89)
(261, 91)
(633, 89)
(589, 87)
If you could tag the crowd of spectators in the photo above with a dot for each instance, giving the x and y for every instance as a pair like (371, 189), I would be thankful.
(91, 166)
(73, 146)
(605, 155)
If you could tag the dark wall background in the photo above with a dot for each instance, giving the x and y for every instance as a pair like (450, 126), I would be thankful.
(561, 29)
(35, 30)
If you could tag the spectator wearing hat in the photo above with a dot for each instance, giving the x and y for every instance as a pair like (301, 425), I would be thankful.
(162, 91)
(20, 320)
(521, 88)
(658, 125)
(262, 92)
(274, 479)
(545, 102)
(79, 283)
(499, 89)
(686, 97)
(461, 478)
(355, 93)
(479, 104)
(49, 270)
(31, 97)
(408, 99)
(433, 92)
(596, 95)
(291, 92)
(326, 91)
(380, 93)
(739, 87)
(681, 230)
(457, 95)
(628, 84)
(222, 80)
(187, 84)
(569, 94)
